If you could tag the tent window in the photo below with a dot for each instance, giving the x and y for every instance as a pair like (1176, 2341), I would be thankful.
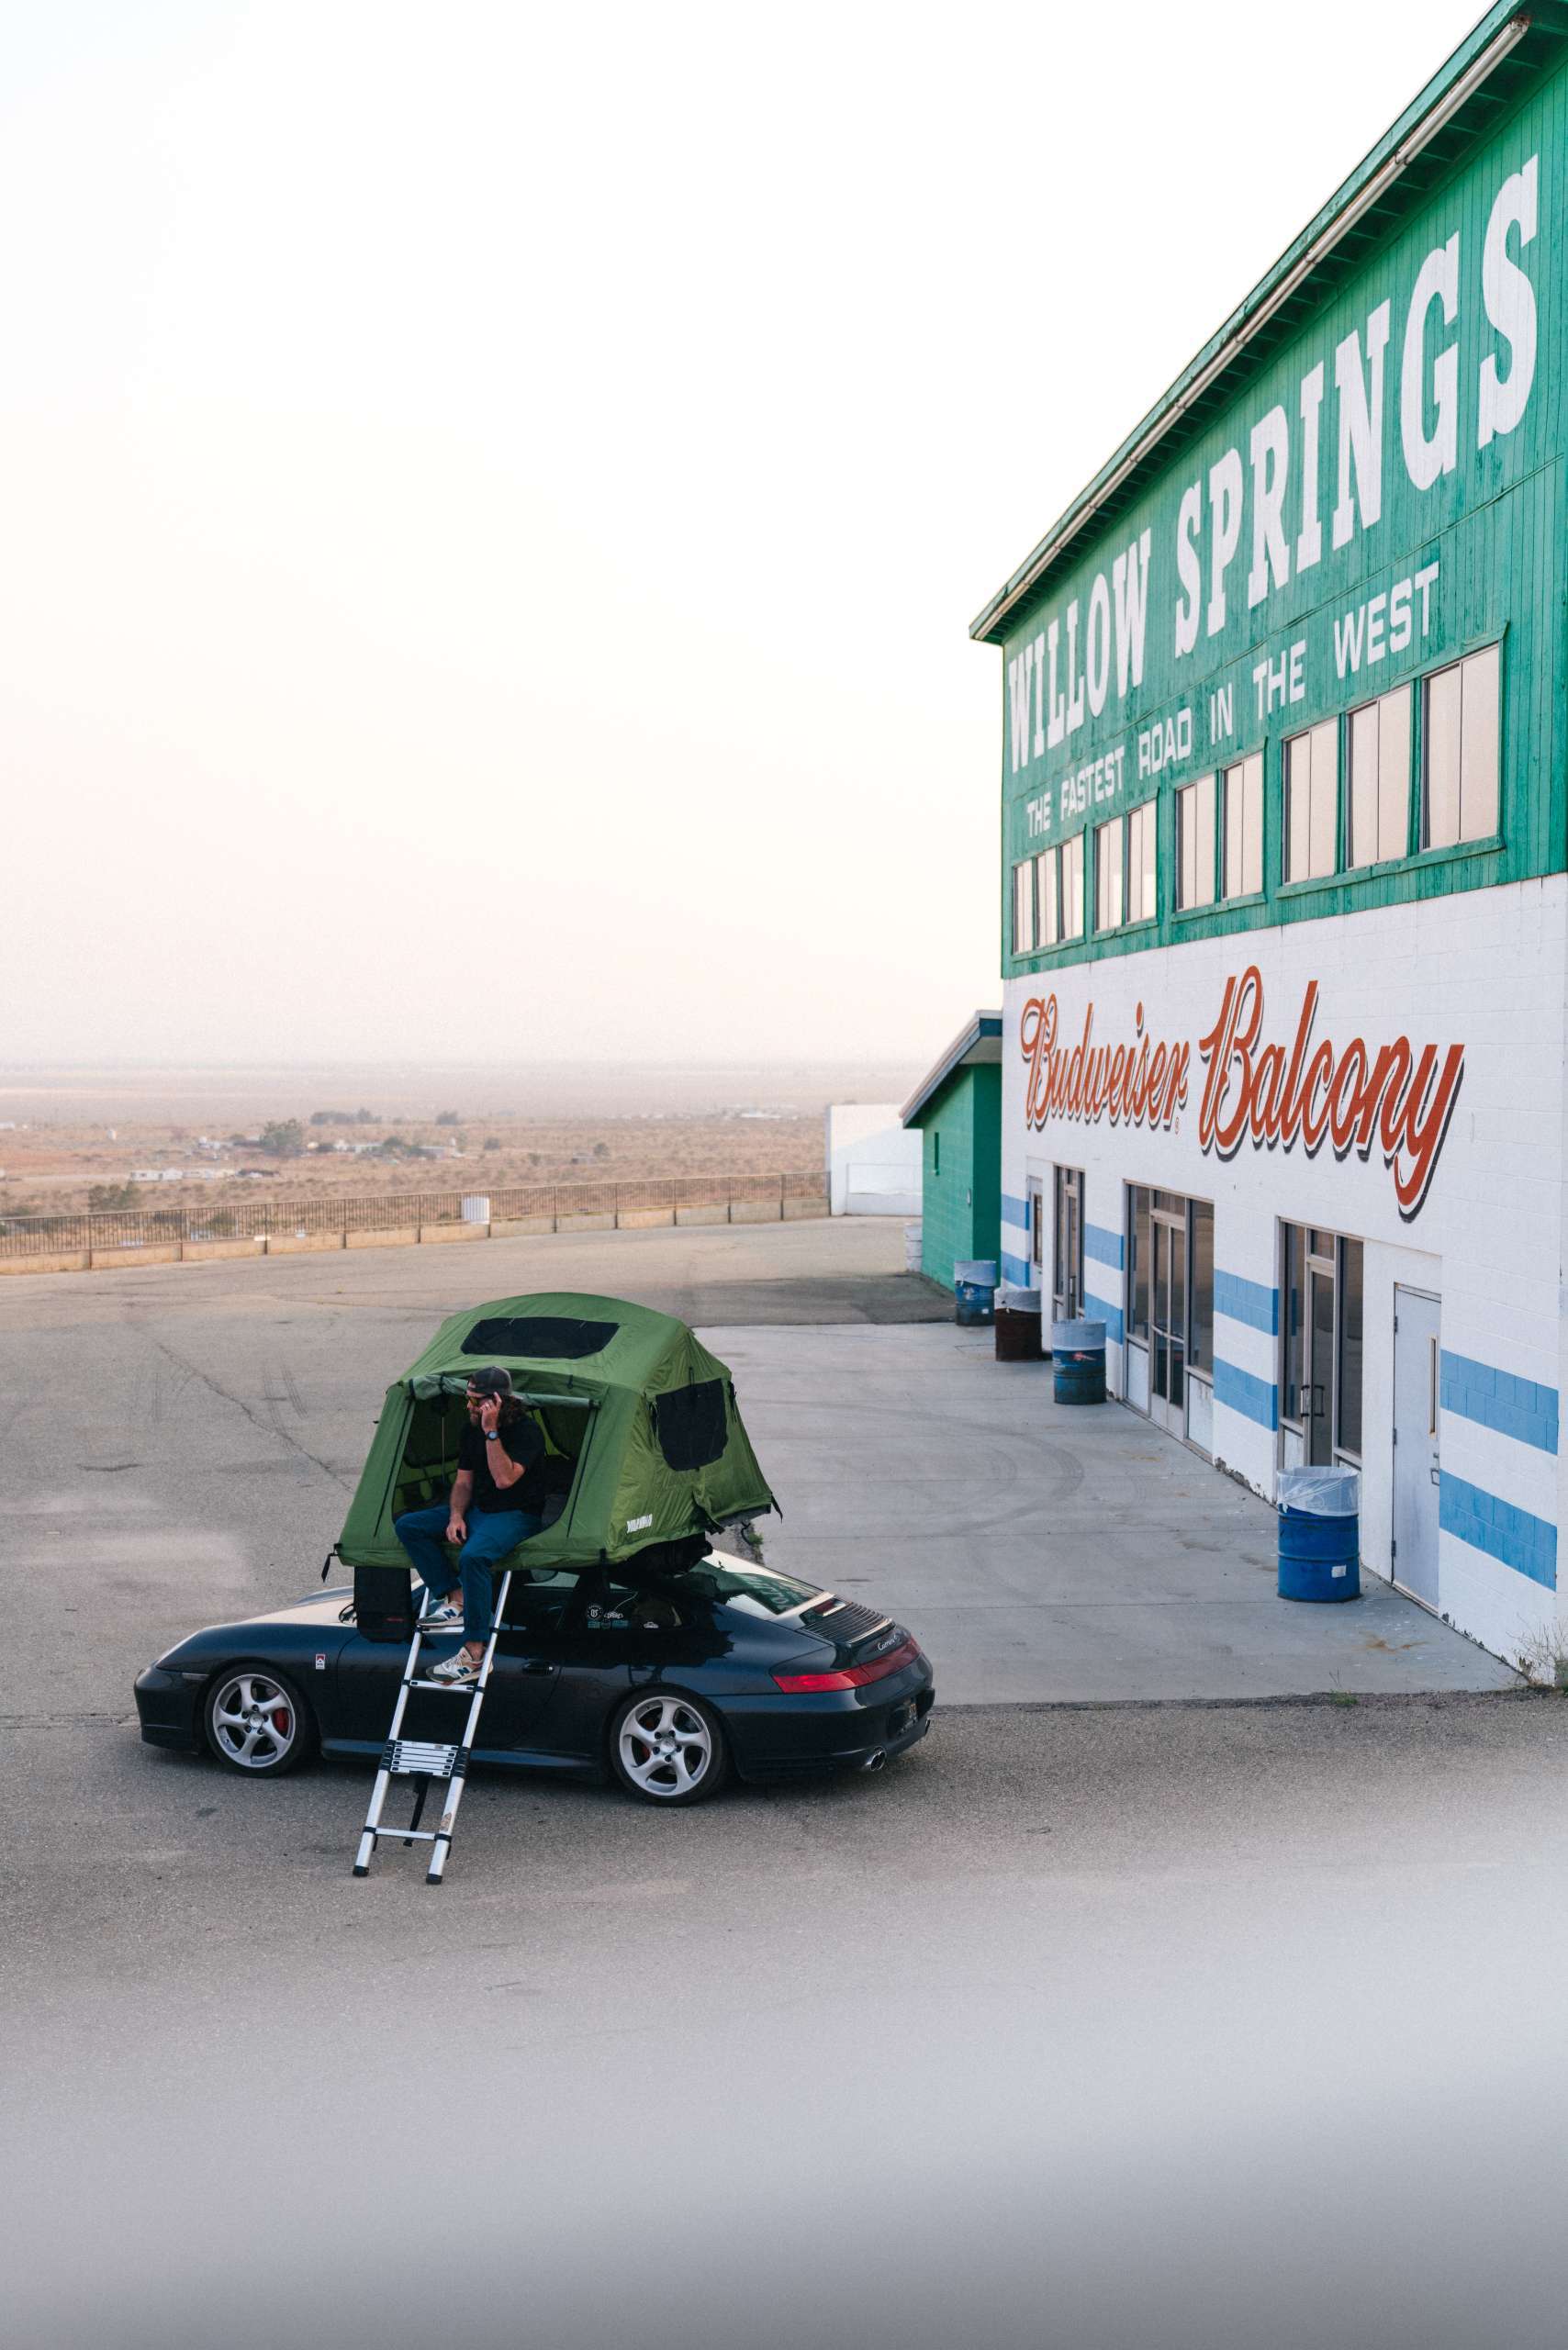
(539, 1337)
(689, 1423)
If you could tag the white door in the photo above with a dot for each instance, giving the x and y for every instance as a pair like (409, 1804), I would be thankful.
(1416, 1320)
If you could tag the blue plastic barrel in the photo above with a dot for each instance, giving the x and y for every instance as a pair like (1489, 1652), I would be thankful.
(1077, 1359)
(1319, 1546)
(974, 1291)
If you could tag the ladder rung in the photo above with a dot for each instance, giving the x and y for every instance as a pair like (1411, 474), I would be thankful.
(420, 1757)
(406, 1835)
(464, 1688)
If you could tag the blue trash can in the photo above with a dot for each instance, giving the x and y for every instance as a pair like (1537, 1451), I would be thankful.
(1078, 1354)
(1320, 1534)
(974, 1291)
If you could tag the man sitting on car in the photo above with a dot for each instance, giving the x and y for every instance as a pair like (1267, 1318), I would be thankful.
(498, 1500)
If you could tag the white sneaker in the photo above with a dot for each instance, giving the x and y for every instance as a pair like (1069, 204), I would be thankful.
(444, 1618)
(457, 1669)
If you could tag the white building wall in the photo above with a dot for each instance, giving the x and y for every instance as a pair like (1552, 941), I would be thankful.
(1486, 969)
(873, 1161)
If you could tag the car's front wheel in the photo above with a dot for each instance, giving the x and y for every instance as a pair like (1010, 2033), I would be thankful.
(669, 1748)
(257, 1721)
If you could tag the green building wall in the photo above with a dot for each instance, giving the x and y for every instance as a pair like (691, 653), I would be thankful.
(961, 1172)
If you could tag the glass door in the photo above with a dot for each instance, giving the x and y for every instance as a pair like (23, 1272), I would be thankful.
(1317, 1397)
(1068, 1294)
(1168, 1314)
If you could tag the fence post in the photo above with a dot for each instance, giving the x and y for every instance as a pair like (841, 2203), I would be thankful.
(781, 1199)
(555, 1207)
(617, 1208)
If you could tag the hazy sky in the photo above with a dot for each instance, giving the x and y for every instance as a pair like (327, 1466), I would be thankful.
(493, 496)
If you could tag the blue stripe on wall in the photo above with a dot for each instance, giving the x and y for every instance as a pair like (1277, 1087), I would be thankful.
(1104, 1246)
(1515, 1407)
(1258, 1399)
(1015, 1211)
(1099, 1309)
(1253, 1302)
(1525, 1543)
(1015, 1270)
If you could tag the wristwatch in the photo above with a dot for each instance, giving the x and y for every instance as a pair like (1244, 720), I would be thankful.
(492, 1436)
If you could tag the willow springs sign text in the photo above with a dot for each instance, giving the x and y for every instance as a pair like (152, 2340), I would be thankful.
(1269, 1094)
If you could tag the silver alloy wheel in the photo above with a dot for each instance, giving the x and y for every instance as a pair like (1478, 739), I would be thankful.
(254, 1721)
(667, 1748)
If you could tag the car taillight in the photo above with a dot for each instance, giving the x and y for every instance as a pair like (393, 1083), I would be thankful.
(849, 1676)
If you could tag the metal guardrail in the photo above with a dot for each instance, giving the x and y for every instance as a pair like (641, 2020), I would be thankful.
(63, 1235)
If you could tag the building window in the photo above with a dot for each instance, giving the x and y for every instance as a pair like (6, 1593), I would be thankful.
(1108, 877)
(1071, 886)
(1320, 1343)
(1047, 896)
(1312, 789)
(1195, 843)
(1024, 907)
(1140, 1251)
(1458, 752)
(1242, 789)
(1379, 797)
(1143, 904)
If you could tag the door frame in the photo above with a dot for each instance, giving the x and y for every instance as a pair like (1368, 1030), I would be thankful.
(1428, 1297)
(1177, 1225)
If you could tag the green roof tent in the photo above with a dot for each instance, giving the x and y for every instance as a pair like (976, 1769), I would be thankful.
(644, 1442)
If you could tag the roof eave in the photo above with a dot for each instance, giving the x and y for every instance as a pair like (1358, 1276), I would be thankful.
(976, 1044)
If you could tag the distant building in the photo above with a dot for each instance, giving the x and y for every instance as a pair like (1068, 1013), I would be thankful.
(873, 1167)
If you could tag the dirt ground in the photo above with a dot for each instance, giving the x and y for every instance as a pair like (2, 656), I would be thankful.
(77, 1140)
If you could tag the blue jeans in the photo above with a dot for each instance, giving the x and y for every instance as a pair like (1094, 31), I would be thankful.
(491, 1534)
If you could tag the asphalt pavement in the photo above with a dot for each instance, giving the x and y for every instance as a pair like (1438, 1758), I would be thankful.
(1226, 2023)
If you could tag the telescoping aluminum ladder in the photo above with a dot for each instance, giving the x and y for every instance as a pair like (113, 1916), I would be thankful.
(429, 1763)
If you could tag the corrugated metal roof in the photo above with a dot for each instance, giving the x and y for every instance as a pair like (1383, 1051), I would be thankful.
(979, 1041)
(1422, 143)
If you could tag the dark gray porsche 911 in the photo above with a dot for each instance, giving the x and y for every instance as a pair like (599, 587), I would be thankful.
(667, 1680)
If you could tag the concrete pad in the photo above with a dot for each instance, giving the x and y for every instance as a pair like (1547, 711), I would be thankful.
(701, 1215)
(796, 1208)
(756, 1212)
(513, 1228)
(73, 1261)
(1046, 1554)
(645, 1219)
(196, 1252)
(434, 1235)
(302, 1244)
(400, 1236)
(596, 1220)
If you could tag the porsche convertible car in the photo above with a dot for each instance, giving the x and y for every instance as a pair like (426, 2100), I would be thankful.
(667, 1680)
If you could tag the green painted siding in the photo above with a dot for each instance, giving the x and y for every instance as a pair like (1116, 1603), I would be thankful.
(1494, 525)
(961, 1197)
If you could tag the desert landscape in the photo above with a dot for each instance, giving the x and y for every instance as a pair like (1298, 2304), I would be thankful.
(116, 1140)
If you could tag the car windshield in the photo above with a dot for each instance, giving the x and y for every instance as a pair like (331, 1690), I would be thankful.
(755, 1591)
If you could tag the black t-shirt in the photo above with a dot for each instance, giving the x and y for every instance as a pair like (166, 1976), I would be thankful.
(521, 1442)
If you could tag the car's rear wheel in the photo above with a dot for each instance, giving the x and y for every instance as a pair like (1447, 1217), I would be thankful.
(669, 1748)
(258, 1722)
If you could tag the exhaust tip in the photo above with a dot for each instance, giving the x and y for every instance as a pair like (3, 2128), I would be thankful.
(875, 1761)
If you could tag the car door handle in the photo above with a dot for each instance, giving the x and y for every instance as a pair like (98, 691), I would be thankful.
(537, 1664)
